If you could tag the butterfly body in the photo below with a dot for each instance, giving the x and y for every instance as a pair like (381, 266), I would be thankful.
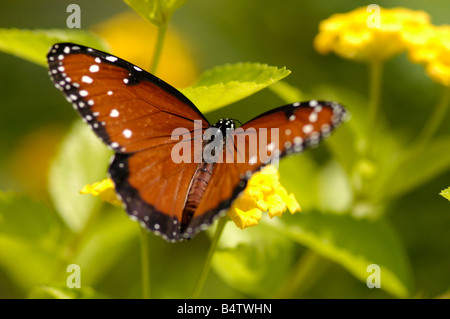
(136, 115)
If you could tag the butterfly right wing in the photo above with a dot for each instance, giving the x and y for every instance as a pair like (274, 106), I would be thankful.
(298, 126)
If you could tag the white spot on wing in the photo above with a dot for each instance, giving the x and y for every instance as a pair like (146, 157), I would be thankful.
(271, 146)
(127, 133)
(313, 103)
(94, 68)
(86, 79)
(114, 113)
(111, 58)
(313, 117)
(307, 129)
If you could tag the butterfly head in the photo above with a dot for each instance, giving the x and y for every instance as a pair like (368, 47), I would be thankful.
(225, 125)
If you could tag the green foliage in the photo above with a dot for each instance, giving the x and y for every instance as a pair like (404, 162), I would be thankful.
(82, 159)
(33, 45)
(29, 235)
(338, 238)
(63, 292)
(157, 12)
(255, 261)
(227, 84)
(445, 193)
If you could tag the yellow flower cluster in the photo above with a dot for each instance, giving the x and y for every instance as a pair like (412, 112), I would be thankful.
(375, 35)
(431, 47)
(263, 193)
(364, 35)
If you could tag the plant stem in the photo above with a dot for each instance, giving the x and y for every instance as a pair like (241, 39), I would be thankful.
(204, 273)
(145, 256)
(308, 268)
(162, 29)
(145, 263)
(375, 79)
(434, 121)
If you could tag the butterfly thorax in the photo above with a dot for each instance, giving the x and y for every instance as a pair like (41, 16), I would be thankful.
(203, 174)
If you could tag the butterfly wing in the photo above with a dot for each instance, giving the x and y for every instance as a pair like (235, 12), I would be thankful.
(297, 127)
(135, 114)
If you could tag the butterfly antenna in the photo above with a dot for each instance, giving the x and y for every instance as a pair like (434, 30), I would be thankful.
(236, 120)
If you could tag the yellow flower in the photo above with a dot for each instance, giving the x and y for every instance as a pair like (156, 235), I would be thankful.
(263, 193)
(431, 47)
(104, 189)
(364, 35)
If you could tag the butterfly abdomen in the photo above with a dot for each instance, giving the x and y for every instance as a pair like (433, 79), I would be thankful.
(198, 186)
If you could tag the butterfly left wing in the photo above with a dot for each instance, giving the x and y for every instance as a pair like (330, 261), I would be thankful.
(128, 108)
(135, 114)
(297, 126)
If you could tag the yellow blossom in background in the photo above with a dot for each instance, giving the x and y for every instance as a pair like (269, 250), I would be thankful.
(264, 192)
(431, 47)
(361, 35)
(132, 38)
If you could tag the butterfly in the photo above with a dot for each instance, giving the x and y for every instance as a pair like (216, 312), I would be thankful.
(136, 114)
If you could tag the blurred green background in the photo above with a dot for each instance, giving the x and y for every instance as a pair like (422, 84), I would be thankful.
(34, 118)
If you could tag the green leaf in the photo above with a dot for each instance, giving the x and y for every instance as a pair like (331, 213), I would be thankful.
(254, 261)
(354, 244)
(61, 291)
(334, 189)
(445, 193)
(226, 84)
(157, 12)
(29, 240)
(299, 174)
(28, 263)
(287, 92)
(105, 245)
(33, 45)
(27, 219)
(82, 159)
(418, 169)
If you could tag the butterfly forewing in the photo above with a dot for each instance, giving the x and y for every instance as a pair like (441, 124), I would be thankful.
(127, 107)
